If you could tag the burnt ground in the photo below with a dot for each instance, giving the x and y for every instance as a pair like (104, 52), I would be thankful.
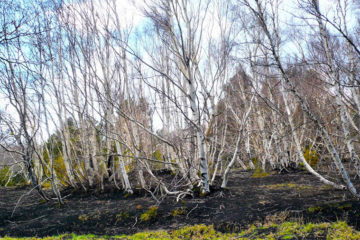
(278, 197)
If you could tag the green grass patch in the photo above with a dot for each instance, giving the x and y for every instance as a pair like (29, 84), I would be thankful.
(179, 211)
(259, 173)
(331, 207)
(289, 186)
(286, 230)
(150, 214)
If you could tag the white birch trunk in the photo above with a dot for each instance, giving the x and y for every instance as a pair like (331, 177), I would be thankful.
(232, 162)
(218, 159)
(237, 146)
(66, 155)
(200, 136)
(306, 109)
(124, 175)
(297, 143)
(335, 80)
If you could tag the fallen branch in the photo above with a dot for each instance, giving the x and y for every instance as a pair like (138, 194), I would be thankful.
(187, 215)
(26, 194)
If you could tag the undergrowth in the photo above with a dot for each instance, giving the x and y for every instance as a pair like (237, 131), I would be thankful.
(259, 173)
(8, 178)
(289, 186)
(286, 230)
(150, 214)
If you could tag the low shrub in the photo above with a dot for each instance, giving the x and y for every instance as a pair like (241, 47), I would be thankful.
(150, 214)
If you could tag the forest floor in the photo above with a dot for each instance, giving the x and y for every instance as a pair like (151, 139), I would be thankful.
(274, 198)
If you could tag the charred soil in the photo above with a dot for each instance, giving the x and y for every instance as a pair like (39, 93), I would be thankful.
(278, 197)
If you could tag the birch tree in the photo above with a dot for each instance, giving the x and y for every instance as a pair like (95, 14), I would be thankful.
(257, 9)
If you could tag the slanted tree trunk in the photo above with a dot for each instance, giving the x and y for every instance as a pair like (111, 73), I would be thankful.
(218, 159)
(336, 81)
(259, 14)
(242, 124)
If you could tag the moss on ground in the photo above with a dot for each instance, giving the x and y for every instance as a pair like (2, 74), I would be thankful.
(285, 230)
(289, 186)
(150, 214)
(259, 173)
(179, 211)
(330, 207)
